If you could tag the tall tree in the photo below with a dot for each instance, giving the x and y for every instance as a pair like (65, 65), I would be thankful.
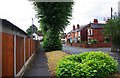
(53, 18)
(112, 29)
(31, 29)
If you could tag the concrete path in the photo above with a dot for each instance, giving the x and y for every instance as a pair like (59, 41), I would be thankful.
(38, 67)
(78, 50)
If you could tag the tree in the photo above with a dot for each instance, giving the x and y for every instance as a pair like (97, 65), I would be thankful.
(112, 30)
(53, 18)
(31, 29)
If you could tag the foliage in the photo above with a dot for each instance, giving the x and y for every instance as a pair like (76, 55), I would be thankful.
(63, 41)
(107, 40)
(79, 41)
(112, 29)
(93, 41)
(86, 65)
(31, 29)
(53, 18)
(52, 41)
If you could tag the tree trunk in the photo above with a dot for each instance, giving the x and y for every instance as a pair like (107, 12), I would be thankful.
(113, 48)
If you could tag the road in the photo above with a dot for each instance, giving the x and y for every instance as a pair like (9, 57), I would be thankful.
(78, 50)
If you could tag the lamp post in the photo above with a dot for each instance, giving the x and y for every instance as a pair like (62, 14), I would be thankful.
(32, 27)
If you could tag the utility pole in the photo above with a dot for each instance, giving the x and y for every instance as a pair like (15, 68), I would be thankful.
(32, 27)
(111, 12)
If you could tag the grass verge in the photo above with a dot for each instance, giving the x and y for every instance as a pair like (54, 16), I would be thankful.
(53, 58)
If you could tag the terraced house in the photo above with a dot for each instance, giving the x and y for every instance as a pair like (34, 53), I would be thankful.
(89, 35)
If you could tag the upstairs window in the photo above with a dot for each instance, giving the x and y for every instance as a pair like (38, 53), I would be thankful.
(90, 32)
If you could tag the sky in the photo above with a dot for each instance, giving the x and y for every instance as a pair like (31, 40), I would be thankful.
(21, 12)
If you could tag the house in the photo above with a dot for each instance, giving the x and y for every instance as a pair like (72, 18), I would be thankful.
(37, 36)
(89, 35)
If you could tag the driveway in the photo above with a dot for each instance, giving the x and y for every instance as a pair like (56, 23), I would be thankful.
(78, 50)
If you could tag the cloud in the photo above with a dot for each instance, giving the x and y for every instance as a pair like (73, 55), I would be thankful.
(84, 11)
(19, 12)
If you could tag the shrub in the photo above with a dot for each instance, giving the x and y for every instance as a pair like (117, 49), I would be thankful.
(86, 65)
(51, 42)
(94, 41)
(107, 40)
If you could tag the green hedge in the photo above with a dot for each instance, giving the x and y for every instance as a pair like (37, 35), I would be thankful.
(86, 65)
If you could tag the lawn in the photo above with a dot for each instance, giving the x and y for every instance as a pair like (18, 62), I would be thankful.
(53, 58)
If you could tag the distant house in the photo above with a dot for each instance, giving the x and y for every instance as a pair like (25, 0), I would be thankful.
(37, 36)
(90, 34)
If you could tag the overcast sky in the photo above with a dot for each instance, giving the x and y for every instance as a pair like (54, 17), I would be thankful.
(20, 12)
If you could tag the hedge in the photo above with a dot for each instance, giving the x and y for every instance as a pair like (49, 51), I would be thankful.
(87, 65)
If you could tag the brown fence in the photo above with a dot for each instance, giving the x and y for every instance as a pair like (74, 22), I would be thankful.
(7, 55)
(16, 50)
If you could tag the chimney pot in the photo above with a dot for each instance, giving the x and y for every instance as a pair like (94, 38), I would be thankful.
(73, 27)
(95, 21)
(78, 26)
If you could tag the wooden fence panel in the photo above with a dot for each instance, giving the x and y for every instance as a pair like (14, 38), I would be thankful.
(31, 46)
(19, 53)
(27, 49)
(7, 55)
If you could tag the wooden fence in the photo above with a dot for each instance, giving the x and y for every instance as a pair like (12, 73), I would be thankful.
(16, 50)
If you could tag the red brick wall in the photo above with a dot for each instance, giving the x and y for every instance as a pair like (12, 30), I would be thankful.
(99, 45)
(98, 35)
(84, 34)
(73, 34)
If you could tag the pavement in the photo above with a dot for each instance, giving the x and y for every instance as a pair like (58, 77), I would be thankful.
(38, 66)
(78, 50)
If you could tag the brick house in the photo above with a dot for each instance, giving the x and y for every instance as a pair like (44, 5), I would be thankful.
(89, 35)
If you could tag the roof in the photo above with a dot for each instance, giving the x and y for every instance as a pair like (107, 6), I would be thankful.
(39, 34)
(12, 26)
(99, 25)
(94, 25)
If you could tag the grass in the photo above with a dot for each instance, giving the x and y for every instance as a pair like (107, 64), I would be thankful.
(53, 58)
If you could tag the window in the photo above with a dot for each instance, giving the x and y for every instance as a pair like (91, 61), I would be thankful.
(90, 32)
(79, 34)
(76, 34)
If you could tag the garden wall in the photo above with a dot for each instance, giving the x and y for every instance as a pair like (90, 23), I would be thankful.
(97, 45)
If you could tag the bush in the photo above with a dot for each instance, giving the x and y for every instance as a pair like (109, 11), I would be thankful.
(94, 41)
(52, 42)
(107, 39)
(86, 65)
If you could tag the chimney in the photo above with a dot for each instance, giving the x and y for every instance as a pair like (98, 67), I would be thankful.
(73, 27)
(95, 21)
(107, 20)
(78, 26)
